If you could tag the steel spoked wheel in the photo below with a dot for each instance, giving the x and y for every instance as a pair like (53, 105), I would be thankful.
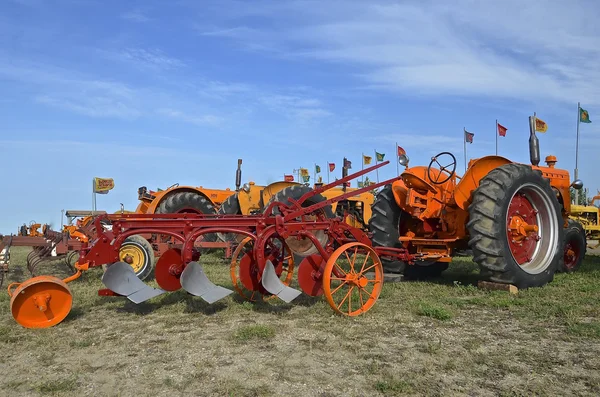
(353, 279)
(246, 275)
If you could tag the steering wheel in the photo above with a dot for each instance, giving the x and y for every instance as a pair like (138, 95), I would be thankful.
(446, 168)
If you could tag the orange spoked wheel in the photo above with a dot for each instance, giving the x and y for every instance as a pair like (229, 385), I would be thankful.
(246, 274)
(40, 302)
(352, 279)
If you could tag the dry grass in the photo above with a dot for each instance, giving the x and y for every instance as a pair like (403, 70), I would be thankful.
(444, 337)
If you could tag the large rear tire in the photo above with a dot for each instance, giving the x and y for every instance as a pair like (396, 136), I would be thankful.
(575, 247)
(187, 202)
(304, 247)
(510, 195)
(385, 227)
(231, 206)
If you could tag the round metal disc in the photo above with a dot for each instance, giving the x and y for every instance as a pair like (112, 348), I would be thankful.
(41, 302)
(168, 270)
(308, 280)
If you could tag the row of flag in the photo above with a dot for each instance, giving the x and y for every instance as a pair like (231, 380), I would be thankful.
(540, 126)
(304, 173)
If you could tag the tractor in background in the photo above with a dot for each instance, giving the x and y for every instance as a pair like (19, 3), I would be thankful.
(587, 217)
(513, 217)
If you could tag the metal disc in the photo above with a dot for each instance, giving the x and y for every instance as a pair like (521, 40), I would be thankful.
(309, 281)
(168, 270)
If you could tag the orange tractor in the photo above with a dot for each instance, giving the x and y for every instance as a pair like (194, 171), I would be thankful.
(513, 217)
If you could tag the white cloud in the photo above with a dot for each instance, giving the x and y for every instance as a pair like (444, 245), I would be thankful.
(206, 119)
(150, 59)
(537, 50)
(135, 16)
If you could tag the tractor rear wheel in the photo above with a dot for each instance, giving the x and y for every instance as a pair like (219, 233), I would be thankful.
(575, 247)
(231, 206)
(303, 247)
(187, 202)
(515, 227)
(385, 224)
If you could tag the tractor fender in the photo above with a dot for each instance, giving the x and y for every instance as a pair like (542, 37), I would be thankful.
(161, 196)
(271, 189)
(477, 170)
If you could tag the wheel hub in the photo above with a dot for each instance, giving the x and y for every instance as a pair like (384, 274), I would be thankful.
(522, 229)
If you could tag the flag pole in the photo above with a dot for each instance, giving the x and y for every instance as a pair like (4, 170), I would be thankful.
(315, 173)
(577, 152)
(328, 172)
(465, 144)
(377, 170)
(93, 196)
(397, 160)
(496, 137)
(362, 167)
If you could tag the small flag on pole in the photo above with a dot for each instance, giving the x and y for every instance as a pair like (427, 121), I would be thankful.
(401, 152)
(540, 125)
(103, 185)
(367, 159)
(469, 136)
(502, 130)
(347, 164)
(331, 167)
(584, 116)
(304, 172)
(379, 156)
(317, 169)
(288, 178)
(306, 178)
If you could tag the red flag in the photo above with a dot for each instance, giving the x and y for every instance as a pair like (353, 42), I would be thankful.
(501, 130)
(469, 136)
(401, 151)
(289, 178)
(331, 167)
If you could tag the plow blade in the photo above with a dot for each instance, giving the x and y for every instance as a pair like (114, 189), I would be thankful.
(120, 278)
(194, 280)
(271, 282)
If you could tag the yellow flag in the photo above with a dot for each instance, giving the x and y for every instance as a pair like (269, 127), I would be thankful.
(367, 159)
(304, 172)
(540, 125)
(103, 185)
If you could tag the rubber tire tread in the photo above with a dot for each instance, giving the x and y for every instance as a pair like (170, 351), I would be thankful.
(576, 232)
(383, 226)
(231, 206)
(487, 226)
(295, 192)
(177, 201)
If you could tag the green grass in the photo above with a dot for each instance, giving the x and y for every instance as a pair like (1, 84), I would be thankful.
(259, 331)
(442, 337)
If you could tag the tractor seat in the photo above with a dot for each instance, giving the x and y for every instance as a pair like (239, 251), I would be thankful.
(413, 181)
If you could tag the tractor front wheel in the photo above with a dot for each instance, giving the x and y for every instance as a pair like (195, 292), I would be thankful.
(515, 227)
(574, 247)
(138, 253)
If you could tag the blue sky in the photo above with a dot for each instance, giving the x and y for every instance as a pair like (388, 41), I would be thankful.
(154, 93)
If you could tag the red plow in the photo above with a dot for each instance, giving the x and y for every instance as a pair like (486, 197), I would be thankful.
(342, 264)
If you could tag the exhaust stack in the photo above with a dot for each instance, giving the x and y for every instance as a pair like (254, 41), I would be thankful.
(238, 176)
(534, 143)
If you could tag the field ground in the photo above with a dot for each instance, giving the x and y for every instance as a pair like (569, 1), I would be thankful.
(444, 337)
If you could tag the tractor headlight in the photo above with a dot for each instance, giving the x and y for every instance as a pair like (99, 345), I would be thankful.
(246, 187)
(577, 184)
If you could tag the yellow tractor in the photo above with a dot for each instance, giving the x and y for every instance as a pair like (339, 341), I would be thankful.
(587, 220)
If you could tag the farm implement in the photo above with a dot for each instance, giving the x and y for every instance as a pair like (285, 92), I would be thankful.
(514, 217)
(338, 258)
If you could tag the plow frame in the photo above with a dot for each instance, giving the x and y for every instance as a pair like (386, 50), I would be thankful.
(180, 270)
